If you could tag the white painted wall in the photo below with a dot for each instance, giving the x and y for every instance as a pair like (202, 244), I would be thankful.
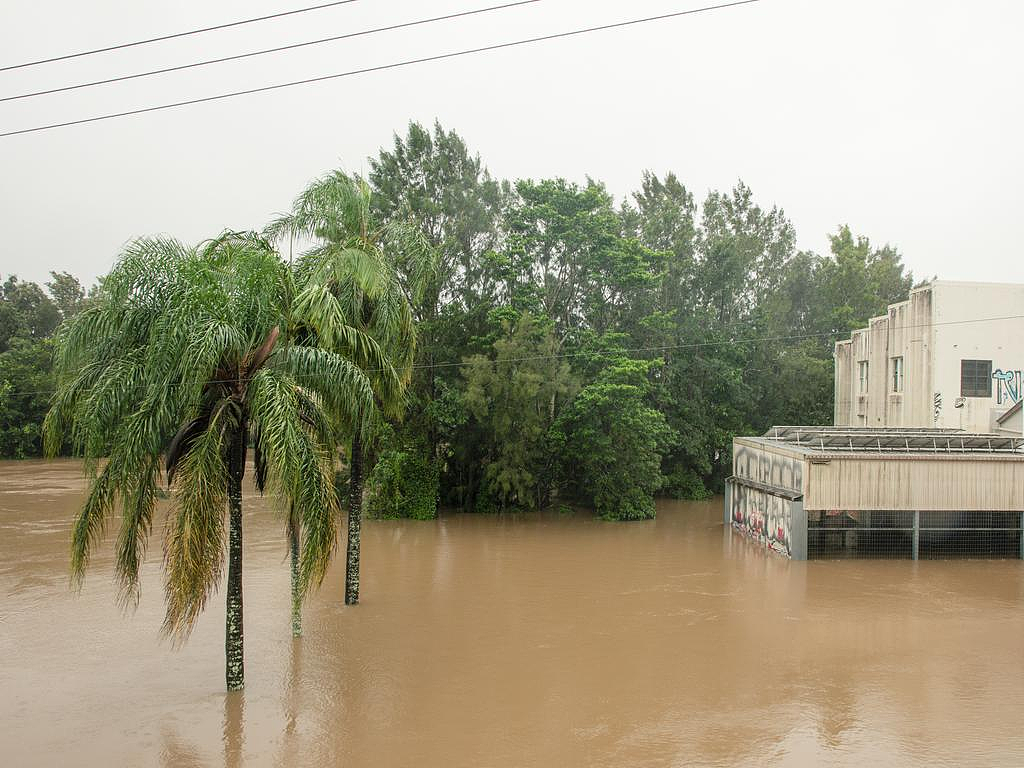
(998, 340)
(939, 325)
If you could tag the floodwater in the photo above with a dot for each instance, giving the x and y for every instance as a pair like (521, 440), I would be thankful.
(535, 640)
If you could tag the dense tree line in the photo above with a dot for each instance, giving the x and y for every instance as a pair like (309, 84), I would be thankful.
(570, 349)
(29, 316)
(596, 353)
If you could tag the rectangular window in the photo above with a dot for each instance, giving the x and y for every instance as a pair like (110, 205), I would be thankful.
(897, 374)
(976, 378)
(862, 369)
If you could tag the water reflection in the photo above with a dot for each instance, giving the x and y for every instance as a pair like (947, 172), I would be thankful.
(234, 728)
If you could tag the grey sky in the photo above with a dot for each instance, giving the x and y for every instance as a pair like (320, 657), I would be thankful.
(902, 118)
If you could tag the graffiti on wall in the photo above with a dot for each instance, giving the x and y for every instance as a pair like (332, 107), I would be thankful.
(1008, 389)
(768, 468)
(763, 516)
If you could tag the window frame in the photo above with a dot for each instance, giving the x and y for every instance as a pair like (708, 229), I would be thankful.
(976, 378)
(897, 374)
(863, 377)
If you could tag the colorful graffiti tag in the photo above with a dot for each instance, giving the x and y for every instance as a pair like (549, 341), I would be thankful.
(1008, 386)
(763, 516)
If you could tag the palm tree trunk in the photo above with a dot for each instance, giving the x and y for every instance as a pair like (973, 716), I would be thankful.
(355, 518)
(233, 635)
(293, 541)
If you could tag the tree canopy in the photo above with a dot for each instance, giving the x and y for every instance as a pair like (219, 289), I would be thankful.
(537, 297)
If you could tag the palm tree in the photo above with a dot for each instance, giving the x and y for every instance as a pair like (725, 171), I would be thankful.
(184, 355)
(355, 288)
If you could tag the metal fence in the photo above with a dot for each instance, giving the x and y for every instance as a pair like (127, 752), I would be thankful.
(914, 535)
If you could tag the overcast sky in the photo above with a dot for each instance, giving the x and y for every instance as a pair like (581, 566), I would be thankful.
(902, 118)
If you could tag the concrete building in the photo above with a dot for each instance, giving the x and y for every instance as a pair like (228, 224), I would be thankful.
(826, 492)
(950, 356)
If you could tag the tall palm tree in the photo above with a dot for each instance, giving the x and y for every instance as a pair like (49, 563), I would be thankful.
(355, 289)
(184, 356)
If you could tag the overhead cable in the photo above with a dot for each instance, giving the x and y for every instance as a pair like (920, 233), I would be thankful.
(378, 68)
(174, 35)
(278, 49)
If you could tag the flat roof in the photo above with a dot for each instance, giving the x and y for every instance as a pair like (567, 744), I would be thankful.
(890, 440)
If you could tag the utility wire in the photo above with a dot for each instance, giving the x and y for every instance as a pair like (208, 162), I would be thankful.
(278, 49)
(118, 47)
(381, 67)
(611, 352)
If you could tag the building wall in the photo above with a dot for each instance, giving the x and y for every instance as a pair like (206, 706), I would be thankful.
(932, 331)
(763, 516)
(775, 466)
(916, 482)
(1000, 341)
(844, 394)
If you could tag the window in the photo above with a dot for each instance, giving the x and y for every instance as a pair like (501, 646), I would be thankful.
(862, 369)
(897, 374)
(976, 378)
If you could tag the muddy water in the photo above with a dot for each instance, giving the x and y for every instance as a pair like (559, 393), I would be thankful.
(513, 641)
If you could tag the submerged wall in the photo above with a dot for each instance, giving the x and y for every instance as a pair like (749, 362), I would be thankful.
(778, 523)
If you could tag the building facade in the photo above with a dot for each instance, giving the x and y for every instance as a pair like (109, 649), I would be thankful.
(833, 492)
(949, 357)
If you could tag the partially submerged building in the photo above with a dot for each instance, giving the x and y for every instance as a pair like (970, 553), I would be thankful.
(926, 457)
(826, 492)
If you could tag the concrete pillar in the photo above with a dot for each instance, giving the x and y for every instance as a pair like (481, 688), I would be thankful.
(727, 516)
(917, 532)
(797, 530)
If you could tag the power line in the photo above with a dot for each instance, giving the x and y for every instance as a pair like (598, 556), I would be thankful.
(265, 51)
(616, 352)
(379, 68)
(118, 47)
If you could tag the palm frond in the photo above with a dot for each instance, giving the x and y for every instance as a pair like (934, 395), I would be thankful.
(136, 524)
(299, 467)
(91, 523)
(194, 543)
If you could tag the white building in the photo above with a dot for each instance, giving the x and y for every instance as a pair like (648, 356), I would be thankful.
(949, 356)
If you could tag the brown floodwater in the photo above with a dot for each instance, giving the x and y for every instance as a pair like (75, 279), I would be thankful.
(528, 640)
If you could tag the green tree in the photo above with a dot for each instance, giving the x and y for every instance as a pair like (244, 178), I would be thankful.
(742, 252)
(611, 442)
(26, 312)
(433, 180)
(67, 293)
(403, 481)
(26, 384)
(184, 353)
(662, 218)
(859, 281)
(514, 398)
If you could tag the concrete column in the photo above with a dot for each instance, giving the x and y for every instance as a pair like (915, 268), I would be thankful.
(917, 532)
(797, 530)
(727, 516)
